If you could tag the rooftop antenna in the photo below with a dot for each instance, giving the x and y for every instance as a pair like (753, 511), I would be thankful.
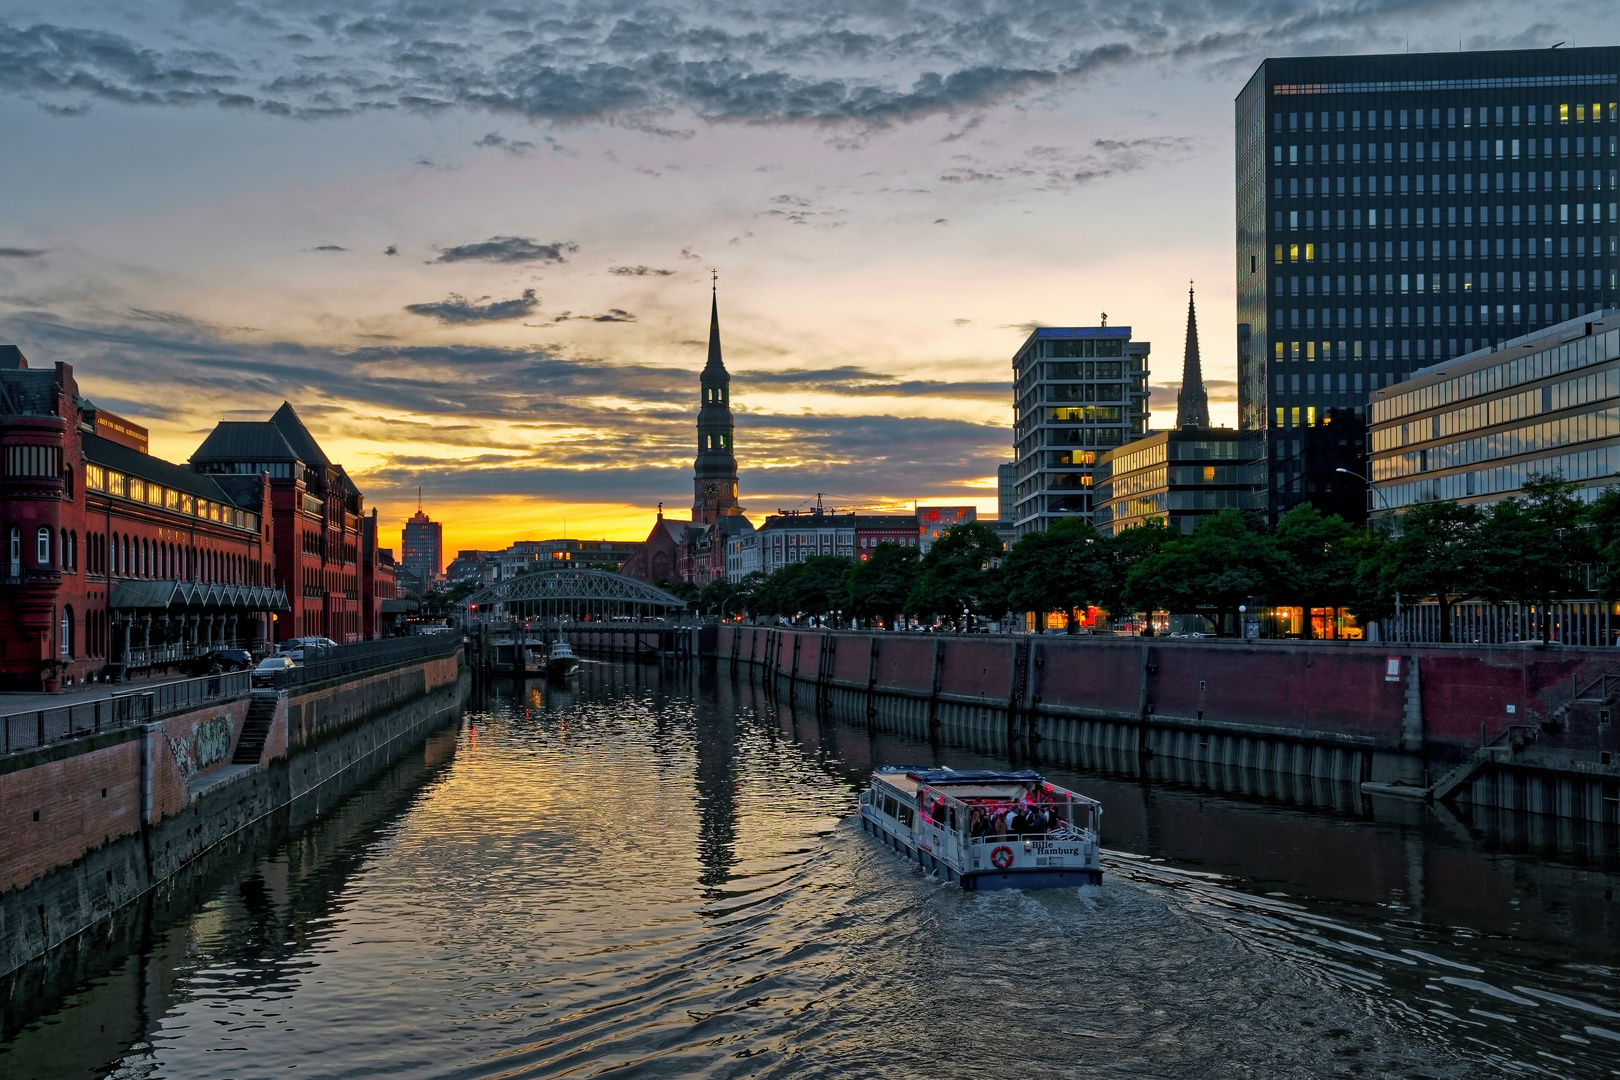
(418, 498)
(714, 281)
(1556, 46)
(1105, 318)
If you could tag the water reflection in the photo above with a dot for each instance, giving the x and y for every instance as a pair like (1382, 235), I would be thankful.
(654, 872)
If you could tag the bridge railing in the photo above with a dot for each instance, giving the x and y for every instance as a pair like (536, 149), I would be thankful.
(322, 664)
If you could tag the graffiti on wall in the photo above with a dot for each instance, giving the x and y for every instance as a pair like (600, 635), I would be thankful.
(208, 744)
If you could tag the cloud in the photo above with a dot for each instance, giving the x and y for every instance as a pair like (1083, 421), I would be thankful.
(688, 253)
(457, 310)
(21, 253)
(612, 315)
(856, 381)
(1053, 167)
(645, 68)
(508, 249)
(638, 271)
(331, 247)
(391, 249)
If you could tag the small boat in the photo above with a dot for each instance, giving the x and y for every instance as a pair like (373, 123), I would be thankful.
(563, 662)
(986, 829)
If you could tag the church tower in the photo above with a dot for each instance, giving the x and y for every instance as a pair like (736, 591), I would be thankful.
(714, 473)
(1192, 403)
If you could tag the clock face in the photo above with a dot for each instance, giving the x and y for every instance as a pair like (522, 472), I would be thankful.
(711, 489)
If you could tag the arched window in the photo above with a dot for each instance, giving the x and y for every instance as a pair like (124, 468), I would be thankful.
(16, 551)
(42, 547)
(66, 633)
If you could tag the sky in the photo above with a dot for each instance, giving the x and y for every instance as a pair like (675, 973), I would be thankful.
(471, 240)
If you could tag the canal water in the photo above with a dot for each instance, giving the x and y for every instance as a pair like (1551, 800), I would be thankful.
(658, 874)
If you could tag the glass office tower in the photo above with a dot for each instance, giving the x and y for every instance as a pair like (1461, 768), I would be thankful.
(1077, 391)
(1397, 211)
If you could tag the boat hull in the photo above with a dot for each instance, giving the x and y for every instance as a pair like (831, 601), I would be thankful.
(1067, 877)
(561, 669)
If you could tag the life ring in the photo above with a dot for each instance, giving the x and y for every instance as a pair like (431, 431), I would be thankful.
(1002, 857)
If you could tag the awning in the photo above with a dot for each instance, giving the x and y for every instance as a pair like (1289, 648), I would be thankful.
(400, 607)
(139, 595)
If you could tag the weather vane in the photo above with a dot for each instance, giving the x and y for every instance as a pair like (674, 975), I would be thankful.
(714, 280)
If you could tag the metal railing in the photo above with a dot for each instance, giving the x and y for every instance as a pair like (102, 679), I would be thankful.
(322, 664)
(40, 727)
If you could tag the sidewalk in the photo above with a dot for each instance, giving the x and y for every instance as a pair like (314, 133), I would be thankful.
(31, 701)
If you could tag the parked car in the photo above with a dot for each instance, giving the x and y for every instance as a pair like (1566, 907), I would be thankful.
(294, 647)
(224, 659)
(271, 667)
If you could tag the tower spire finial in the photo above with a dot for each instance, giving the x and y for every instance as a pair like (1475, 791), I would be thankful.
(1192, 401)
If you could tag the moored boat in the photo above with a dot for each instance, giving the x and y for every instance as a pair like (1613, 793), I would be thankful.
(986, 829)
(563, 662)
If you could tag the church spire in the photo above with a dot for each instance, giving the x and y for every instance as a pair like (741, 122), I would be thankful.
(714, 473)
(1192, 403)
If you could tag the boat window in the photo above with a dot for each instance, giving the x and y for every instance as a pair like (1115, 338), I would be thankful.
(906, 815)
(951, 813)
(889, 806)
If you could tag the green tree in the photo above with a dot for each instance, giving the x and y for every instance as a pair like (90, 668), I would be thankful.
(1124, 550)
(1223, 563)
(1322, 560)
(745, 592)
(1064, 568)
(1603, 530)
(775, 595)
(961, 573)
(716, 597)
(822, 585)
(1536, 546)
(1437, 552)
(880, 583)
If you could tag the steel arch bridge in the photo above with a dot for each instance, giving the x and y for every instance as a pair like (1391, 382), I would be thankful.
(546, 593)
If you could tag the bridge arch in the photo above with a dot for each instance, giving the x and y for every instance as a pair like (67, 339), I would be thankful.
(572, 593)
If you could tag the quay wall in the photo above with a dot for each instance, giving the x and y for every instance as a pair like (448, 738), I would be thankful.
(1385, 714)
(90, 825)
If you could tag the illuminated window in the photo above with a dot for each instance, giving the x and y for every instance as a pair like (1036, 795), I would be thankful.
(1293, 416)
(1580, 112)
(1293, 351)
(1209, 474)
(1310, 350)
(1293, 253)
(1310, 416)
(1279, 418)
(1563, 114)
(1310, 252)
(1278, 254)
(137, 490)
(95, 477)
(1279, 350)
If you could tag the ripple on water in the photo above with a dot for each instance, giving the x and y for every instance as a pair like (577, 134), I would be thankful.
(651, 885)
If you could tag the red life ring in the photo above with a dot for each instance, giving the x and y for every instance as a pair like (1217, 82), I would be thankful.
(1002, 857)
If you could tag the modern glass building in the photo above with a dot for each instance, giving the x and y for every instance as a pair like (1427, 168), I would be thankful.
(1077, 391)
(1179, 477)
(1394, 212)
(1471, 429)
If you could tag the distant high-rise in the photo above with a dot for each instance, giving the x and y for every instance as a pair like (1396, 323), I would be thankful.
(1006, 491)
(1077, 391)
(422, 548)
(1396, 211)
(1192, 403)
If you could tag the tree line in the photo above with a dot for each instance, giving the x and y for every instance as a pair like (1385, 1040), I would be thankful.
(1537, 548)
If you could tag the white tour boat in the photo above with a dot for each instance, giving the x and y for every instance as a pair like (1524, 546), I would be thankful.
(985, 829)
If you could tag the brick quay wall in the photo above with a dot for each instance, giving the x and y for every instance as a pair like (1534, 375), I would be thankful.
(93, 824)
(1528, 727)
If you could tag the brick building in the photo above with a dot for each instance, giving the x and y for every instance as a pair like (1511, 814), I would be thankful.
(316, 510)
(118, 562)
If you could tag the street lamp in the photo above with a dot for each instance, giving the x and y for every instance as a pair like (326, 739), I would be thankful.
(1373, 488)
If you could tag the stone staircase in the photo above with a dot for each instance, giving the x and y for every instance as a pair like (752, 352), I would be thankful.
(256, 728)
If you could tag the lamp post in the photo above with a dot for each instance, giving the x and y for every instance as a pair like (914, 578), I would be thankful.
(1374, 489)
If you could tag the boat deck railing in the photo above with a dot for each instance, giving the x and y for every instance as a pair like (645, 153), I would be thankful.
(1057, 835)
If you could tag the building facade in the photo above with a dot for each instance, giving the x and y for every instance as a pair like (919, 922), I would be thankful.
(379, 576)
(1006, 491)
(421, 548)
(317, 519)
(1394, 212)
(1473, 428)
(1077, 392)
(1180, 477)
(118, 563)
